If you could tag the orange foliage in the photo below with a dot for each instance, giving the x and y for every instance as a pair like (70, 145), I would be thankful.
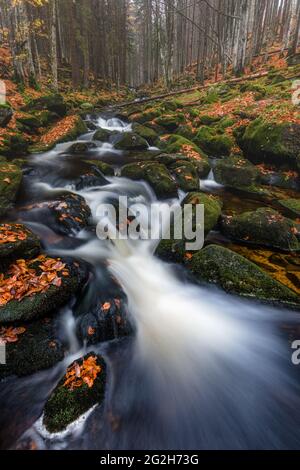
(10, 234)
(78, 375)
(10, 334)
(59, 130)
(23, 280)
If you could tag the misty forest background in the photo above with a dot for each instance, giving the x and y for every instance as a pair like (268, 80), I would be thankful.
(136, 42)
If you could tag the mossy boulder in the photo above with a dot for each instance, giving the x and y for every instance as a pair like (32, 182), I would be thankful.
(87, 107)
(235, 172)
(105, 168)
(10, 181)
(293, 205)
(67, 402)
(207, 120)
(277, 143)
(54, 103)
(169, 122)
(171, 251)
(146, 115)
(265, 227)
(212, 207)
(103, 135)
(6, 114)
(235, 274)
(186, 175)
(212, 142)
(38, 347)
(145, 132)
(17, 241)
(13, 143)
(282, 179)
(130, 141)
(156, 174)
(38, 303)
(79, 148)
(185, 131)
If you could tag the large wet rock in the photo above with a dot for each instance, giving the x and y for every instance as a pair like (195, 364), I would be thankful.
(212, 142)
(235, 172)
(130, 141)
(31, 347)
(107, 320)
(278, 143)
(17, 241)
(145, 132)
(264, 226)
(292, 205)
(236, 275)
(54, 103)
(103, 135)
(79, 148)
(103, 167)
(212, 208)
(156, 174)
(10, 181)
(68, 214)
(30, 289)
(82, 387)
(186, 175)
(288, 179)
(6, 114)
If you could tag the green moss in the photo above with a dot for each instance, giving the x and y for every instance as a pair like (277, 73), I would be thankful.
(105, 168)
(130, 141)
(186, 175)
(171, 251)
(235, 172)
(185, 131)
(65, 405)
(156, 174)
(237, 275)
(213, 143)
(264, 141)
(169, 122)
(207, 120)
(53, 102)
(12, 144)
(38, 348)
(293, 205)
(212, 208)
(103, 135)
(10, 180)
(265, 227)
(145, 132)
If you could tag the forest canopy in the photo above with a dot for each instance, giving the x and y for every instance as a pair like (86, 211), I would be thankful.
(136, 42)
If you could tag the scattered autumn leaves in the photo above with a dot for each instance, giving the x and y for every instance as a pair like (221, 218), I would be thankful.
(10, 334)
(26, 278)
(12, 233)
(77, 375)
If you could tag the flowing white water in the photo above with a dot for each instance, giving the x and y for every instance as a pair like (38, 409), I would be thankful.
(114, 124)
(206, 370)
